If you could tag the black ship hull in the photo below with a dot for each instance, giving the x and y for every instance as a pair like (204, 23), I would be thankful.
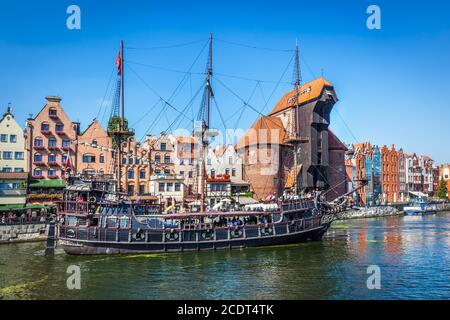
(88, 247)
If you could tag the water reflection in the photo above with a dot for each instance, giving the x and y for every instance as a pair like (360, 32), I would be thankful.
(412, 252)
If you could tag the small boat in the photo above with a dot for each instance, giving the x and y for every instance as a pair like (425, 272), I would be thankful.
(420, 207)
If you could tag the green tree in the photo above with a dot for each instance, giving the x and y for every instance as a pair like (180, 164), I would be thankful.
(114, 124)
(442, 193)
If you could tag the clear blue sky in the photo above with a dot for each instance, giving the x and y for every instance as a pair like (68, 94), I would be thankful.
(393, 83)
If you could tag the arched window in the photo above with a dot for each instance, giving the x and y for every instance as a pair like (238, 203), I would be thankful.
(51, 158)
(45, 126)
(37, 157)
(157, 158)
(130, 174)
(52, 142)
(37, 172)
(167, 158)
(94, 142)
(102, 158)
(38, 142)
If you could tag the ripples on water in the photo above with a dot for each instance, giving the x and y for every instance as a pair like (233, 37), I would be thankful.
(412, 252)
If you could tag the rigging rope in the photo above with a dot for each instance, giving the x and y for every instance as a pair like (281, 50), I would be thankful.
(253, 47)
(167, 46)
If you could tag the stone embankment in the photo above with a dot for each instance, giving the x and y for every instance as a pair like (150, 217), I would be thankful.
(370, 212)
(32, 231)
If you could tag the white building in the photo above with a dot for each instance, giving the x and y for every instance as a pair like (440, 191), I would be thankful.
(12, 144)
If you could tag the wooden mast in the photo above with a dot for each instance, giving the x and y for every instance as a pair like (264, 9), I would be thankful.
(205, 127)
(297, 117)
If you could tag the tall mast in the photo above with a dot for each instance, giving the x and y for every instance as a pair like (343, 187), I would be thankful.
(297, 116)
(122, 86)
(205, 127)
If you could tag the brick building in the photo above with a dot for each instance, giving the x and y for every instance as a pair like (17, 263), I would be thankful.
(267, 148)
(95, 154)
(389, 174)
(50, 140)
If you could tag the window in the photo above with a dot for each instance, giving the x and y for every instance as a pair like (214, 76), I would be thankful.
(213, 172)
(130, 161)
(161, 187)
(66, 143)
(38, 142)
(163, 146)
(37, 157)
(52, 142)
(141, 189)
(102, 158)
(18, 155)
(130, 190)
(142, 174)
(181, 173)
(18, 170)
(166, 171)
(7, 170)
(59, 127)
(130, 174)
(94, 142)
(64, 158)
(4, 138)
(45, 127)
(177, 186)
(157, 158)
(7, 155)
(157, 171)
(51, 173)
(124, 161)
(88, 158)
(227, 171)
(52, 112)
(233, 172)
(190, 174)
(181, 162)
(137, 161)
(13, 138)
(167, 158)
(51, 158)
(208, 162)
(230, 160)
(169, 187)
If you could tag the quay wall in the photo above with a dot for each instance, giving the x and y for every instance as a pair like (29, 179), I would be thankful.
(22, 232)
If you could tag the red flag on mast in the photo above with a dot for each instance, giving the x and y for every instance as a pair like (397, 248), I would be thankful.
(67, 162)
(119, 63)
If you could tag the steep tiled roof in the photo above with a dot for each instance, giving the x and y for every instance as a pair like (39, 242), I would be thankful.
(334, 143)
(308, 92)
(263, 130)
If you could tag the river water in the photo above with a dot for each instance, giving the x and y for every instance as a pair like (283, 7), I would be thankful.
(413, 254)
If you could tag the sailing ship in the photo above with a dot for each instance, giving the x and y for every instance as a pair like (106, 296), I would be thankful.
(94, 218)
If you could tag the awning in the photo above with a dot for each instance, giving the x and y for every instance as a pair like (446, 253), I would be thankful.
(245, 200)
(11, 207)
(79, 187)
(54, 183)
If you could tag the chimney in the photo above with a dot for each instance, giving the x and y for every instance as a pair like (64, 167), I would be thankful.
(9, 108)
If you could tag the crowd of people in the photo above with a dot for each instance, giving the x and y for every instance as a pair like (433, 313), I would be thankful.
(17, 217)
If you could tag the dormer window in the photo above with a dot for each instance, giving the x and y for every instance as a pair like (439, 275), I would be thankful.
(94, 142)
(163, 146)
